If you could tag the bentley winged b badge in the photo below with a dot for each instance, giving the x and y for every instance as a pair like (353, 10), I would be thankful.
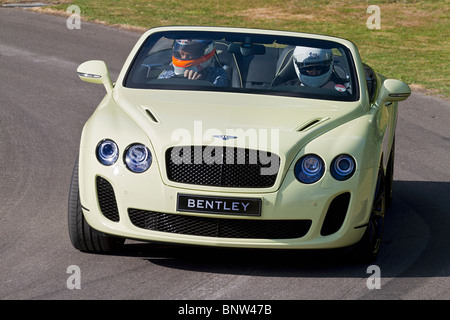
(224, 137)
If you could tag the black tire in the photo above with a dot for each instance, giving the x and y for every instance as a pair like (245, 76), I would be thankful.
(82, 236)
(368, 247)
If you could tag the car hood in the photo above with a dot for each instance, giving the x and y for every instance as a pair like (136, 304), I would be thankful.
(282, 125)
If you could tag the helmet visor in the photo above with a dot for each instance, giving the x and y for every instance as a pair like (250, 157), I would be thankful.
(314, 69)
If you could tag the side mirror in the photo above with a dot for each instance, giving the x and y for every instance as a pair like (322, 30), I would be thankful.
(95, 71)
(393, 90)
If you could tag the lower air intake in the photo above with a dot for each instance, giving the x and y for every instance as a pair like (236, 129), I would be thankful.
(336, 214)
(217, 227)
(107, 199)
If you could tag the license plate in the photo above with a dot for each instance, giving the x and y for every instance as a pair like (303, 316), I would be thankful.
(221, 205)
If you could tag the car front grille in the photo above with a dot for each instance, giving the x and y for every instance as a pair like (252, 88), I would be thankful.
(219, 227)
(222, 166)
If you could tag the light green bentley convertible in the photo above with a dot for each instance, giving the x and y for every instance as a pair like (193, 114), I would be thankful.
(234, 137)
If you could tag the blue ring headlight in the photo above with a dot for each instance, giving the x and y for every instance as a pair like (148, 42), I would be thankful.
(343, 167)
(107, 152)
(137, 158)
(309, 168)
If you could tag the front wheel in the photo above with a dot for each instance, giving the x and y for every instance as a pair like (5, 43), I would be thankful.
(368, 248)
(82, 236)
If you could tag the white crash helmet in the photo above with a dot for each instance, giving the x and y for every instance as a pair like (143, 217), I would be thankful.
(305, 58)
(193, 55)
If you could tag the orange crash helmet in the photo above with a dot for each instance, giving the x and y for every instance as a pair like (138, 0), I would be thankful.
(192, 55)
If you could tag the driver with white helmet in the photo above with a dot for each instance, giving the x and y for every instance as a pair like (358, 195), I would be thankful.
(193, 59)
(314, 68)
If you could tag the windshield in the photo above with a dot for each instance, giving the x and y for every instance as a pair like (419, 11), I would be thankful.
(245, 63)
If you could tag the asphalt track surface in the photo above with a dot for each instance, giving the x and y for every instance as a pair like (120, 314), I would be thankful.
(43, 106)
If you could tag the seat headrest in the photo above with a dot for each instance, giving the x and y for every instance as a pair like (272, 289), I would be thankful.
(285, 67)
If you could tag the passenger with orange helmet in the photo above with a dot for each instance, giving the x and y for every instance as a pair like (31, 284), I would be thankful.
(193, 59)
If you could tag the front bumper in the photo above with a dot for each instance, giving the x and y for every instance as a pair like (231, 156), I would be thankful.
(326, 214)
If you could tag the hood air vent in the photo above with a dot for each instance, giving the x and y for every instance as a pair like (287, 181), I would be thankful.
(310, 124)
(150, 114)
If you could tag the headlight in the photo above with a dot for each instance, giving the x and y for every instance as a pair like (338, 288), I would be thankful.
(107, 152)
(138, 158)
(343, 167)
(309, 168)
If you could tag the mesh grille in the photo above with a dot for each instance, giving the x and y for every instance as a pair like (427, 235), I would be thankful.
(107, 199)
(222, 166)
(216, 227)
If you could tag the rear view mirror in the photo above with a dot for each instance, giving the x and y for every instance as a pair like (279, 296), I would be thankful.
(247, 49)
(95, 71)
